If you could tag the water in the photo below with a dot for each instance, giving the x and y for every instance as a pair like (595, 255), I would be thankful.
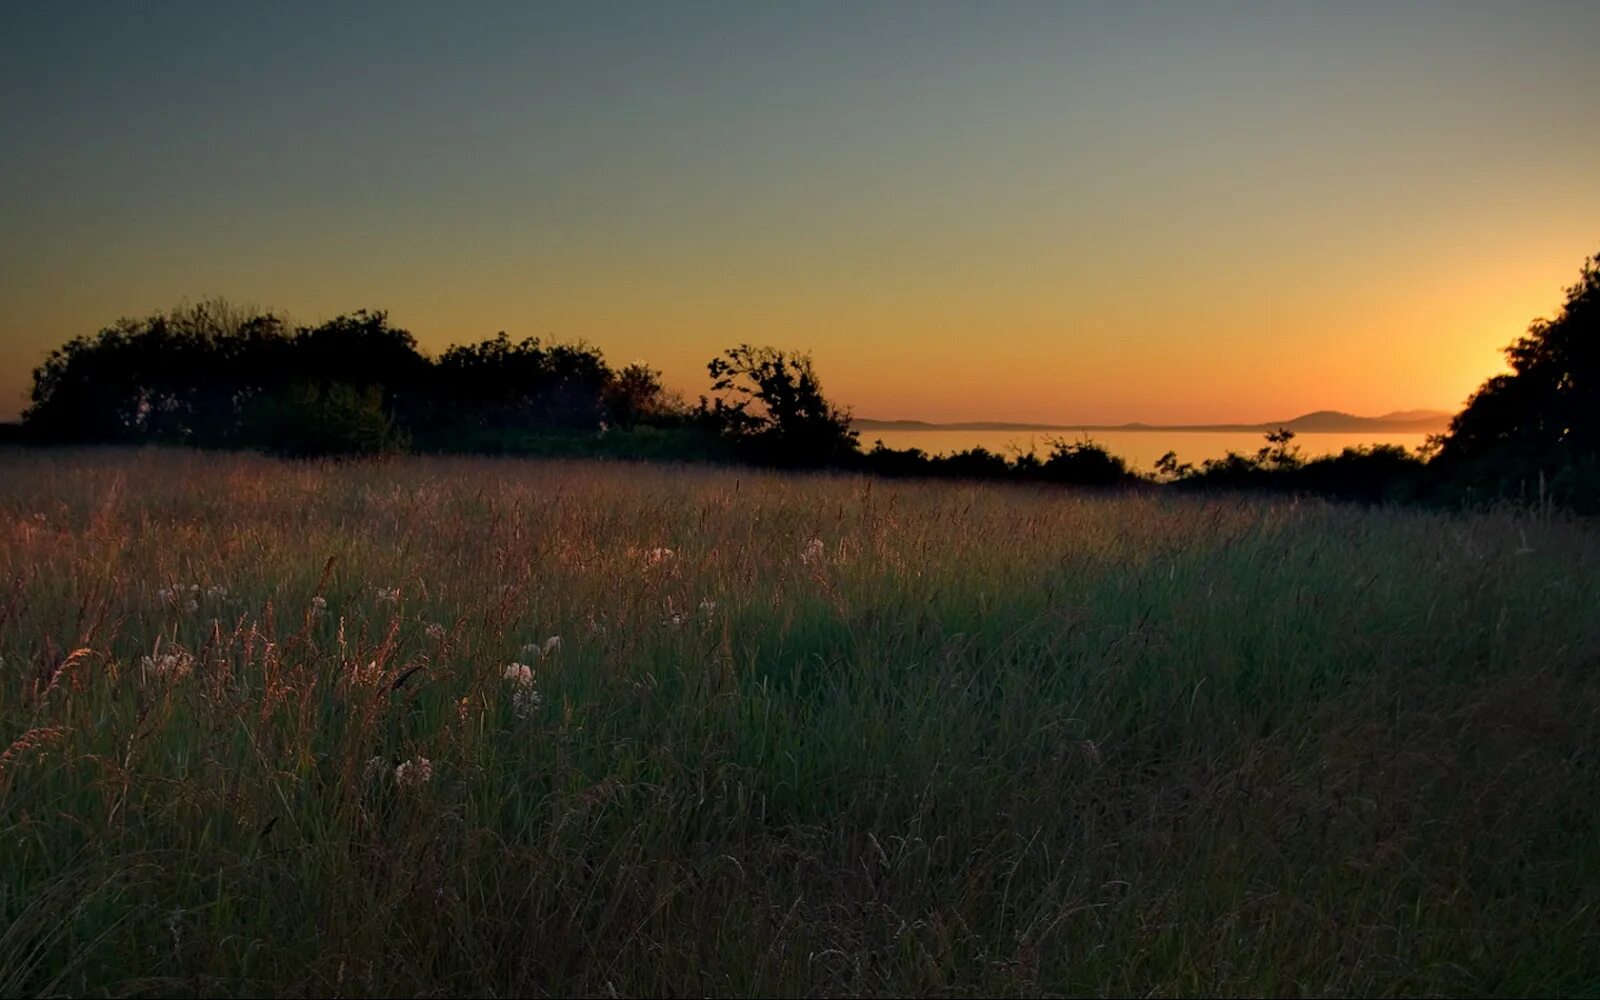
(1140, 448)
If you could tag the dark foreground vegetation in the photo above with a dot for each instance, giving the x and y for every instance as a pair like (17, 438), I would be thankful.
(463, 726)
(212, 376)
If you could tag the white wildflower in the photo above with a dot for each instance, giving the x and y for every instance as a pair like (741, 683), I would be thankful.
(525, 697)
(673, 620)
(414, 773)
(657, 556)
(319, 604)
(551, 645)
(435, 631)
(376, 768)
(708, 608)
(216, 593)
(173, 666)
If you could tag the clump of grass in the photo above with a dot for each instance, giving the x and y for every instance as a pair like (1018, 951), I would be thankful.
(468, 726)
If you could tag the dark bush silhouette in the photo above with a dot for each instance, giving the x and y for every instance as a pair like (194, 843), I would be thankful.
(312, 419)
(635, 396)
(894, 462)
(1385, 472)
(1536, 431)
(182, 377)
(1083, 463)
(771, 406)
(974, 463)
(522, 385)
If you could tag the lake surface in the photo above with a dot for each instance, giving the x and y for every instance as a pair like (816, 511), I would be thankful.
(1140, 448)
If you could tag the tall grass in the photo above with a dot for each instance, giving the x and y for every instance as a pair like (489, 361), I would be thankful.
(799, 735)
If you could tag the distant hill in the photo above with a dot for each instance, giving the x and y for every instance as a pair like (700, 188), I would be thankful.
(1317, 422)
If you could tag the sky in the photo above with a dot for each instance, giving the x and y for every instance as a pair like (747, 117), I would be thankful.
(1053, 212)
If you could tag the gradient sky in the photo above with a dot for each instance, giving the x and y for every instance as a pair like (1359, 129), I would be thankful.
(1040, 212)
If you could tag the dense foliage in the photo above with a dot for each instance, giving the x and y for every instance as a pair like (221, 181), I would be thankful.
(1535, 432)
(211, 375)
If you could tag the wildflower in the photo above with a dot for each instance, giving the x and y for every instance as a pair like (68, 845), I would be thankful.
(675, 620)
(216, 593)
(376, 768)
(525, 699)
(435, 631)
(813, 551)
(191, 606)
(164, 595)
(173, 666)
(658, 555)
(414, 773)
(319, 604)
(389, 596)
(708, 608)
(552, 644)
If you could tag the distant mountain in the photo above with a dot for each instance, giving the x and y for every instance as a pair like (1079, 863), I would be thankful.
(1410, 415)
(1317, 422)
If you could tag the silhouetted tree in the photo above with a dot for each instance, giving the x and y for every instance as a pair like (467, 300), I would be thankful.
(1168, 467)
(635, 395)
(1280, 453)
(771, 405)
(180, 376)
(524, 385)
(1538, 426)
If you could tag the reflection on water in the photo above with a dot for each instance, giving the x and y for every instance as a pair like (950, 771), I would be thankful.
(1140, 448)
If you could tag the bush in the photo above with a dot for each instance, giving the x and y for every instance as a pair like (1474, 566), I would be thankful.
(326, 420)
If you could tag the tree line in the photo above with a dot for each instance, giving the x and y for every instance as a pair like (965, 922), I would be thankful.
(212, 375)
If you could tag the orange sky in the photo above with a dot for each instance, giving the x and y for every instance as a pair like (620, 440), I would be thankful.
(1027, 213)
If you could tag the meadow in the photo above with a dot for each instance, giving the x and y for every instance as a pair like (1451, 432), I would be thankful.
(441, 726)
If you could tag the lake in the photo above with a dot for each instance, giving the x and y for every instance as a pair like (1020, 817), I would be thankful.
(1140, 448)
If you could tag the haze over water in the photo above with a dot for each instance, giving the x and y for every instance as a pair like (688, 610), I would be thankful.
(1141, 448)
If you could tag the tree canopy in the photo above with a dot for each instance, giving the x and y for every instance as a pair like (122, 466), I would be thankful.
(1538, 427)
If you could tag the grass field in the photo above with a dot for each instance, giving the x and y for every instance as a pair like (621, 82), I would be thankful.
(270, 732)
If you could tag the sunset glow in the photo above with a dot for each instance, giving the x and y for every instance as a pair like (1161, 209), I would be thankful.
(1047, 213)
